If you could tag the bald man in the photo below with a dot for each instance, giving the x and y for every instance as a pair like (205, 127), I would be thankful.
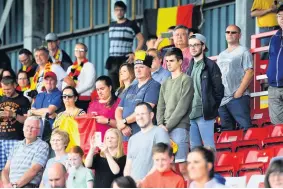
(57, 176)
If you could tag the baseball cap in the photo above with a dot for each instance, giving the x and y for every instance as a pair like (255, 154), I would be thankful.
(51, 37)
(50, 74)
(142, 58)
(201, 38)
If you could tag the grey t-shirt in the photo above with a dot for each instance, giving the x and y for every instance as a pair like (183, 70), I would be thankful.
(233, 66)
(140, 150)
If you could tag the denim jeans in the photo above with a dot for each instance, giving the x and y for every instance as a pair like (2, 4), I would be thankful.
(181, 137)
(236, 111)
(202, 133)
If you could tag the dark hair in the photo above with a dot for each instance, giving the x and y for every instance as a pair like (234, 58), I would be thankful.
(85, 47)
(148, 106)
(182, 27)
(108, 82)
(275, 166)
(120, 4)
(193, 30)
(175, 51)
(208, 155)
(8, 70)
(42, 48)
(125, 182)
(162, 148)
(8, 80)
(75, 92)
(280, 9)
(171, 28)
(25, 51)
(150, 37)
(158, 53)
(22, 72)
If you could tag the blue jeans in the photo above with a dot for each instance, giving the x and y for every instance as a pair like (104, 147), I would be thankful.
(202, 133)
(181, 137)
(237, 110)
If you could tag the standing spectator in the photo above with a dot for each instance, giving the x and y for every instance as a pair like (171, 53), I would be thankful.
(236, 65)
(57, 176)
(145, 90)
(158, 73)
(28, 63)
(163, 50)
(59, 142)
(164, 176)
(81, 75)
(201, 169)
(274, 74)
(110, 162)
(121, 35)
(175, 105)
(79, 176)
(57, 55)
(28, 158)
(124, 182)
(126, 77)
(5, 62)
(104, 108)
(208, 93)
(13, 106)
(139, 160)
(23, 81)
(274, 175)
(150, 42)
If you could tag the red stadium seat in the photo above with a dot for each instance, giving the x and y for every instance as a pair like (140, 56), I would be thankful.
(278, 150)
(227, 139)
(276, 136)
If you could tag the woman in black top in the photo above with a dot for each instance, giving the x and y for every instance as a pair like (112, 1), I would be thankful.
(110, 162)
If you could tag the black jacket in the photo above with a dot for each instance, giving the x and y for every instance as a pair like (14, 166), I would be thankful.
(212, 90)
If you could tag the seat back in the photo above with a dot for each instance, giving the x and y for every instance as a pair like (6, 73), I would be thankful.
(264, 156)
(257, 133)
(228, 158)
(236, 182)
(230, 136)
(255, 181)
(277, 131)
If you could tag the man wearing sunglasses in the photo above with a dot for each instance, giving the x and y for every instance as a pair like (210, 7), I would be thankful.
(236, 65)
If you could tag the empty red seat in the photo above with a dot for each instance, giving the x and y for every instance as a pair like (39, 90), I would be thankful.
(276, 136)
(278, 150)
(227, 139)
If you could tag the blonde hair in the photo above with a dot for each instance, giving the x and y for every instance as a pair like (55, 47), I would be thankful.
(63, 134)
(131, 71)
(120, 151)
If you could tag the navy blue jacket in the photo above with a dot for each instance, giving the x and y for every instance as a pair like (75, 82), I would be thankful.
(275, 65)
(212, 89)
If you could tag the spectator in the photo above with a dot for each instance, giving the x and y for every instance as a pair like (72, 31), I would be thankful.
(57, 55)
(13, 106)
(23, 81)
(274, 175)
(27, 159)
(110, 162)
(124, 182)
(121, 35)
(150, 42)
(201, 169)
(126, 77)
(4, 73)
(59, 142)
(163, 50)
(208, 93)
(81, 75)
(41, 57)
(139, 162)
(79, 176)
(48, 102)
(57, 176)
(28, 63)
(180, 37)
(274, 74)
(164, 176)
(236, 65)
(158, 73)
(5, 62)
(104, 108)
(175, 105)
(145, 90)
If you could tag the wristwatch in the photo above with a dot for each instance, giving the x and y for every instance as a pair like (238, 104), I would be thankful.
(125, 121)
(14, 185)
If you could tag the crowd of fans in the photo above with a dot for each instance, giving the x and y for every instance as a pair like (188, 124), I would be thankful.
(153, 107)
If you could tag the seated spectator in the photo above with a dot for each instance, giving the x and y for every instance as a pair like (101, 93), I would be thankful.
(28, 63)
(110, 162)
(150, 42)
(201, 169)
(23, 81)
(5, 62)
(274, 175)
(57, 176)
(57, 55)
(158, 73)
(139, 162)
(48, 102)
(4, 73)
(81, 75)
(164, 176)
(59, 142)
(79, 176)
(126, 77)
(103, 108)
(13, 107)
(124, 182)
(27, 159)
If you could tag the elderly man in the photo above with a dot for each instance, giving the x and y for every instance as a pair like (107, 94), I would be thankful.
(26, 161)
(57, 176)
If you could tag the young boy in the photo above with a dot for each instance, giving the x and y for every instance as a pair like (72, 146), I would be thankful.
(163, 176)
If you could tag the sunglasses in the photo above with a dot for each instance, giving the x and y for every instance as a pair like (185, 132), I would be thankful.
(67, 96)
(232, 32)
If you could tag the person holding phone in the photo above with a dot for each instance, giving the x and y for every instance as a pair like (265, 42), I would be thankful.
(110, 162)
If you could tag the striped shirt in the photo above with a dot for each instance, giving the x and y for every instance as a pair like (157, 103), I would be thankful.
(121, 37)
(24, 155)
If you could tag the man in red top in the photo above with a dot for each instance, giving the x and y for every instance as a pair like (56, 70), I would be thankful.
(163, 176)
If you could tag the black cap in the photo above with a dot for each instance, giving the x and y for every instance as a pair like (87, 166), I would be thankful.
(280, 9)
(142, 58)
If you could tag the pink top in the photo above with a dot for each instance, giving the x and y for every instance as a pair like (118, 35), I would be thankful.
(102, 110)
(186, 62)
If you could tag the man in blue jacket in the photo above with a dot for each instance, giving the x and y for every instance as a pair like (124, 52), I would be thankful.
(275, 73)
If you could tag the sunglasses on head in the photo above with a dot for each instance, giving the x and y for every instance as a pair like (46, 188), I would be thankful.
(232, 32)
(67, 96)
